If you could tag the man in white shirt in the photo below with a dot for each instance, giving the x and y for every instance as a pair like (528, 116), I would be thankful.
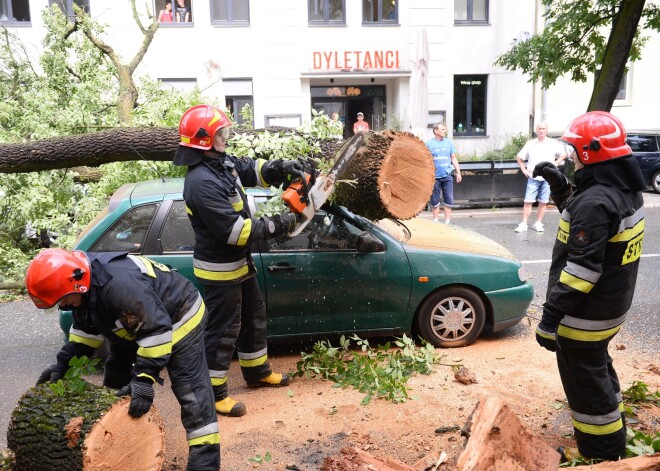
(541, 149)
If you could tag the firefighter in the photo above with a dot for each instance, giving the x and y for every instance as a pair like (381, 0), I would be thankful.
(149, 311)
(592, 277)
(223, 219)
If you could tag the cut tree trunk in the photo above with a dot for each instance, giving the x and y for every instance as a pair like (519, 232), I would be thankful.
(392, 176)
(500, 440)
(91, 431)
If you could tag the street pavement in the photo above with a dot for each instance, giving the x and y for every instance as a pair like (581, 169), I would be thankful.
(30, 339)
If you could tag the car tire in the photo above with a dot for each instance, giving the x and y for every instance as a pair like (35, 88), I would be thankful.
(451, 317)
(655, 181)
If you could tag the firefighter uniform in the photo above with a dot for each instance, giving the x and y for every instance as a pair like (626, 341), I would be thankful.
(221, 215)
(157, 315)
(590, 288)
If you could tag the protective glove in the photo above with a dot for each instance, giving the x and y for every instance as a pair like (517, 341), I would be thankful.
(142, 396)
(280, 224)
(546, 335)
(52, 374)
(560, 187)
(279, 171)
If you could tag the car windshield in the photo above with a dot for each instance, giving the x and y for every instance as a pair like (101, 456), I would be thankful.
(395, 228)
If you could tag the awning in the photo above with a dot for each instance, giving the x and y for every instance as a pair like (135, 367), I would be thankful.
(343, 73)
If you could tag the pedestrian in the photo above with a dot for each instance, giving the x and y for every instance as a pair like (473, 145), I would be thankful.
(541, 149)
(360, 125)
(446, 164)
(141, 307)
(592, 277)
(223, 220)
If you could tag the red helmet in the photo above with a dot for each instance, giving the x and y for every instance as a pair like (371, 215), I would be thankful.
(54, 273)
(597, 136)
(199, 124)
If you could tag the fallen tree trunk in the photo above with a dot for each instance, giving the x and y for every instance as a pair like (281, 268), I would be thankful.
(91, 431)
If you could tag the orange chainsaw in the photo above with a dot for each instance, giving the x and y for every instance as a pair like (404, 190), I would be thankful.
(306, 195)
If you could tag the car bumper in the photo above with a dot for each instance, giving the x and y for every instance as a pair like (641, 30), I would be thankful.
(510, 305)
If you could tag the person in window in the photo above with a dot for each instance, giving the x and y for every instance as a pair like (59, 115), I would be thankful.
(222, 218)
(152, 315)
(182, 12)
(360, 125)
(165, 15)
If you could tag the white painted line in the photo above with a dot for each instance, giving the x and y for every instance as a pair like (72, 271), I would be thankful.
(531, 262)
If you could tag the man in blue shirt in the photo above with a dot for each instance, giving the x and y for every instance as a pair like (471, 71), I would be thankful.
(444, 158)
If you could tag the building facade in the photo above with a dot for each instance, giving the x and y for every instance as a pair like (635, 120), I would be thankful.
(287, 57)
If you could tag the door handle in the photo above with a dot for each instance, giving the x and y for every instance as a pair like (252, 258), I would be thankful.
(281, 267)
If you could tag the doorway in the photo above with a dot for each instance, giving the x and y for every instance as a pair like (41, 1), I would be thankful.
(348, 101)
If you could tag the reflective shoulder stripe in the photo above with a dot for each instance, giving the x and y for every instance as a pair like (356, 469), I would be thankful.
(144, 264)
(631, 221)
(581, 272)
(629, 233)
(585, 335)
(258, 164)
(79, 336)
(575, 282)
(155, 346)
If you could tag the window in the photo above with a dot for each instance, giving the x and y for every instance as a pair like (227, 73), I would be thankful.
(182, 84)
(232, 12)
(326, 232)
(129, 232)
(284, 120)
(380, 11)
(181, 11)
(470, 105)
(326, 11)
(177, 234)
(471, 11)
(641, 143)
(14, 11)
(67, 5)
(238, 94)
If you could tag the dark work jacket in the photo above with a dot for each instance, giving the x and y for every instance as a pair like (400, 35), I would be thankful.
(596, 255)
(134, 300)
(222, 216)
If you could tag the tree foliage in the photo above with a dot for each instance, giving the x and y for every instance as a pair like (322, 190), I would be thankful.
(578, 38)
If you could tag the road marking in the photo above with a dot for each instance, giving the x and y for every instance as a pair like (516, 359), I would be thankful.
(532, 262)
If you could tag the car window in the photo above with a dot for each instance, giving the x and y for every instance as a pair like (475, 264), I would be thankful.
(177, 234)
(128, 232)
(641, 143)
(325, 233)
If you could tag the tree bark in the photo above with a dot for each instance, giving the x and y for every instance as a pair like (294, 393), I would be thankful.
(92, 431)
(624, 27)
(354, 459)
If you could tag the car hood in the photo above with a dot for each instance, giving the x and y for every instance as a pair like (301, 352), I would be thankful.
(425, 234)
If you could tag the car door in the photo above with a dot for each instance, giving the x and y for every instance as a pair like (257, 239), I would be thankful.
(645, 149)
(318, 282)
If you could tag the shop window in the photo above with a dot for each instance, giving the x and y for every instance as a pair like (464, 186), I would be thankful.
(67, 5)
(380, 12)
(326, 11)
(14, 11)
(230, 12)
(470, 105)
(470, 11)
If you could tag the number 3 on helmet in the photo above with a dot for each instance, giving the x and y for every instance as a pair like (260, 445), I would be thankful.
(597, 136)
(54, 273)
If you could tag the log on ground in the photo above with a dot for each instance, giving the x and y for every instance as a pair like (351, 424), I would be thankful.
(91, 431)
(354, 459)
(392, 174)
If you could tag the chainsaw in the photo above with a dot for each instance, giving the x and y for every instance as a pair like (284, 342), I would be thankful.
(305, 196)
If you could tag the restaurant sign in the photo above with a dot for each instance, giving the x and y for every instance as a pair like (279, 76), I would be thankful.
(355, 60)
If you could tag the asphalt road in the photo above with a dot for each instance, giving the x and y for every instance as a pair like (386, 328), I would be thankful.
(30, 339)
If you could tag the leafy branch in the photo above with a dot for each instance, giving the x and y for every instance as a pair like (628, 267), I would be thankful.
(73, 382)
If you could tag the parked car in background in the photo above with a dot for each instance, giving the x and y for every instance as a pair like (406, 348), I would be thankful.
(646, 148)
(343, 273)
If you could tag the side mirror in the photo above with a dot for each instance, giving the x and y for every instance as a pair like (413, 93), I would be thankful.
(368, 243)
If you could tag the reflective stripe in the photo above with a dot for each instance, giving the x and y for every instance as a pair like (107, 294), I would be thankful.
(252, 204)
(236, 202)
(598, 424)
(218, 377)
(144, 264)
(582, 272)
(564, 227)
(220, 271)
(123, 334)
(188, 323)
(575, 282)
(245, 233)
(213, 266)
(629, 233)
(597, 419)
(240, 232)
(207, 435)
(188, 210)
(156, 345)
(585, 335)
(145, 375)
(211, 439)
(259, 163)
(253, 359)
(588, 324)
(78, 336)
(630, 227)
(218, 381)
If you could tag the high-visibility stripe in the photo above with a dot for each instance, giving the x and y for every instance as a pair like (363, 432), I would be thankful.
(240, 231)
(582, 272)
(591, 324)
(188, 210)
(79, 336)
(575, 282)
(221, 276)
(258, 165)
(213, 266)
(599, 429)
(185, 326)
(145, 375)
(245, 233)
(218, 377)
(218, 381)
(236, 202)
(123, 334)
(156, 345)
(630, 227)
(564, 227)
(210, 439)
(586, 336)
(253, 359)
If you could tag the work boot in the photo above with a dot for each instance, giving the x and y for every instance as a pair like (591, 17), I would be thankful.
(569, 453)
(228, 407)
(273, 380)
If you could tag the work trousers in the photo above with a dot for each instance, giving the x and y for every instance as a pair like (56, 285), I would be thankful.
(192, 388)
(594, 396)
(237, 321)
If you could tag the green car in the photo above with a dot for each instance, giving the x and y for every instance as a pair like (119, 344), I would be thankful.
(342, 273)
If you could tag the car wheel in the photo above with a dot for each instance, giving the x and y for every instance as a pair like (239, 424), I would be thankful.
(451, 317)
(655, 181)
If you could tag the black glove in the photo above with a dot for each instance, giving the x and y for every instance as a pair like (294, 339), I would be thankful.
(560, 187)
(279, 171)
(52, 374)
(142, 396)
(546, 331)
(280, 224)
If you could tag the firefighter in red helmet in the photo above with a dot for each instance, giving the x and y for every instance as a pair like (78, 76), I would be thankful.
(592, 277)
(223, 219)
(153, 315)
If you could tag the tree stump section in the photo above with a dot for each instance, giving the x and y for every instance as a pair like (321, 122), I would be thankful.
(90, 432)
(393, 176)
(499, 440)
